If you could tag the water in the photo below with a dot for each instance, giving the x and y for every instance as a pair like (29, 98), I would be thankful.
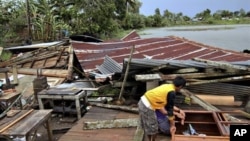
(231, 37)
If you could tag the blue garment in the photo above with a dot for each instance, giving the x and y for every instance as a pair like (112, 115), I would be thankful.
(160, 115)
(164, 126)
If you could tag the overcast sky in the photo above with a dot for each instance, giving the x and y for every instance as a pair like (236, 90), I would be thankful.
(192, 7)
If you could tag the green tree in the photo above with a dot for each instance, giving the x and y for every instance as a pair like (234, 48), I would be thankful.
(157, 18)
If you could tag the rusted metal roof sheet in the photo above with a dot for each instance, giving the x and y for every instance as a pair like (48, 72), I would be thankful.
(132, 35)
(109, 66)
(166, 48)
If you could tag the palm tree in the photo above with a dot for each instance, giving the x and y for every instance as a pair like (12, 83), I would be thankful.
(130, 4)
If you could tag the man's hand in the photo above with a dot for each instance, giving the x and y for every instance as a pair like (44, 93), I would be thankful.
(172, 132)
(181, 115)
(172, 129)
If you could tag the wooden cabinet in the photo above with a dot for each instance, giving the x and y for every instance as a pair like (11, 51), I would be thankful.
(212, 126)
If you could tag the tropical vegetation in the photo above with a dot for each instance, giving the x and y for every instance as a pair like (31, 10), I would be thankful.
(23, 21)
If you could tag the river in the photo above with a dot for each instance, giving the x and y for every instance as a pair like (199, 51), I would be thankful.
(232, 37)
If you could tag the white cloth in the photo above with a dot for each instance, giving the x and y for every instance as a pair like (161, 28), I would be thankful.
(146, 102)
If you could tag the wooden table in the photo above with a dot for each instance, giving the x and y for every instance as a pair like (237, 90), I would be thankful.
(63, 94)
(9, 98)
(26, 126)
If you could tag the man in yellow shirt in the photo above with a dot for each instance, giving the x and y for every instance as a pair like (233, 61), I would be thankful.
(156, 99)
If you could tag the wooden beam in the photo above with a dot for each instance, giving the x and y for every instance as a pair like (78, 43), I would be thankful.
(227, 100)
(126, 73)
(186, 70)
(228, 79)
(127, 84)
(205, 104)
(70, 63)
(116, 107)
(147, 77)
(139, 134)
(15, 121)
(117, 123)
(199, 75)
(199, 101)
(45, 72)
(222, 65)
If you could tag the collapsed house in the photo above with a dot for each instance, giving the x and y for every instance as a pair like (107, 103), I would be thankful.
(133, 65)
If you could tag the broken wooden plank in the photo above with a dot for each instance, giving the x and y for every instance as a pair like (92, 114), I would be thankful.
(199, 75)
(186, 70)
(223, 65)
(205, 104)
(227, 100)
(117, 123)
(199, 101)
(12, 113)
(228, 79)
(116, 107)
(147, 77)
(15, 121)
(139, 134)
(70, 65)
(245, 114)
(127, 84)
(45, 72)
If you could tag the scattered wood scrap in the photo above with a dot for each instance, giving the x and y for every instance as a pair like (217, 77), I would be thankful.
(117, 107)
(139, 134)
(117, 123)
(15, 121)
(206, 105)
(12, 113)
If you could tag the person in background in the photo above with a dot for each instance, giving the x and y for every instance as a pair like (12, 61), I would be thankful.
(156, 99)
(163, 122)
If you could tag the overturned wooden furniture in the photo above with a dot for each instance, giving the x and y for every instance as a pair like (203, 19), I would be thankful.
(25, 124)
(208, 125)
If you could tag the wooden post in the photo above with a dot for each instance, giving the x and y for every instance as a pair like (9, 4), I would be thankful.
(15, 78)
(70, 65)
(126, 74)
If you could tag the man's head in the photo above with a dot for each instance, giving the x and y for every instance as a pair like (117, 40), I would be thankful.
(179, 82)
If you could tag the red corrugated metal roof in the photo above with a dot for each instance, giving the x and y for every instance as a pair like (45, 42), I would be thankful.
(92, 54)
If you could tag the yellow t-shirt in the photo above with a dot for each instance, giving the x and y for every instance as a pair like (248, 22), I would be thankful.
(158, 96)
